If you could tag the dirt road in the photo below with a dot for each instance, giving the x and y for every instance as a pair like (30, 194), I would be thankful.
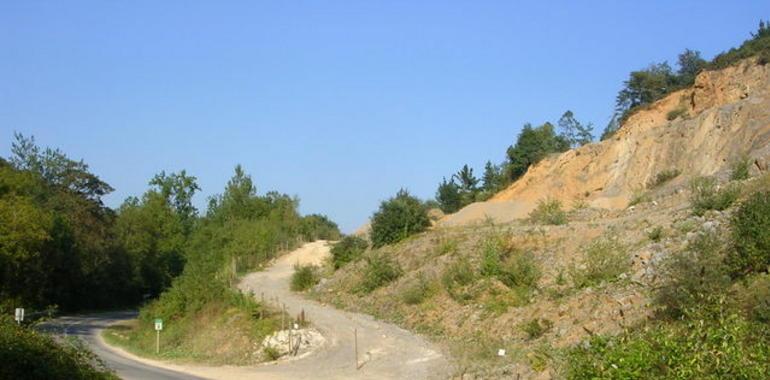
(386, 351)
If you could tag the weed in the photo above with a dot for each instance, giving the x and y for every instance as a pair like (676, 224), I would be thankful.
(457, 277)
(639, 196)
(548, 211)
(739, 169)
(751, 236)
(707, 195)
(379, 271)
(349, 249)
(693, 278)
(271, 353)
(605, 259)
(418, 291)
(304, 277)
(674, 114)
(655, 234)
(663, 177)
(535, 328)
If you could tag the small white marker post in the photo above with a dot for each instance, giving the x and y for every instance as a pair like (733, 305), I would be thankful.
(19, 315)
(158, 327)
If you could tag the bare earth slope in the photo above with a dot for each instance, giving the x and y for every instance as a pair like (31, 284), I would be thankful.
(726, 116)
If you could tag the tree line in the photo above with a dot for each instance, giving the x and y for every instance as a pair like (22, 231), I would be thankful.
(61, 246)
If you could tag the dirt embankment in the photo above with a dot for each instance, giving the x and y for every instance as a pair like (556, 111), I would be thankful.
(724, 116)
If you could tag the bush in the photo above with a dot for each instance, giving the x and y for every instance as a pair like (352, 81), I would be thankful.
(663, 177)
(27, 354)
(639, 196)
(739, 170)
(349, 249)
(605, 259)
(379, 271)
(418, 291)
(509, 266)
(304, 277)
(707, 195)
(673, 114)
(728, 347)
(457, 277)
(694, 278)
(756, 298)
(751, 236)
(548, 211)
(535, 328)
(655, 234)
(398, 218)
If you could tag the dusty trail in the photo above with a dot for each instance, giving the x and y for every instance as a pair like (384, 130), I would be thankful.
(387, 351)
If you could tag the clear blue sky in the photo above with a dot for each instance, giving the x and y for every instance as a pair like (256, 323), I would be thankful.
(339, 103)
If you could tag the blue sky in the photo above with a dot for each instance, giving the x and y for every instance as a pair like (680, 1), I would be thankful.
(339, 103)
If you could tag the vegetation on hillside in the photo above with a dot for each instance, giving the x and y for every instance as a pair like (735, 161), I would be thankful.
(398, 218)
(27, 354)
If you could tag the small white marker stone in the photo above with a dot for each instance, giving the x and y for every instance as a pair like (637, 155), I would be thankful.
(501, 352)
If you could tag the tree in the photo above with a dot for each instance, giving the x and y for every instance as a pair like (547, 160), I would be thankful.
(646, 86)
(492, 179)
(533, 145)
(690, 64)
(573, 131)
(398, 218)
(468, 182)
(178, 191)
(448, 196)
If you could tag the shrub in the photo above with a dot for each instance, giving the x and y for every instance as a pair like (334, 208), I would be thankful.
(457, 277)
(756, 298)
(694, 278)
(548, 211)
(379, 271)
(739, 170)
(398, 218)
(509, 266)
(27, 354)
(349, 249)
(535, 328)
(728, 347)
(675, 113)
(304, 277)
(418, 291)
(707, 195)
(663, 177)
(751, 236)
(271, 353)
(639, 196)
(605, 259)
(655, 234)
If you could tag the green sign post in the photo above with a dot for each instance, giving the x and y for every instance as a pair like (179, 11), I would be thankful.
(158, 327)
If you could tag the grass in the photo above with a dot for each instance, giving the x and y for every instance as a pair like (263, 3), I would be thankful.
(639, 196)
(655, 234)
(221, 333)
(304, 277)
(663, 177)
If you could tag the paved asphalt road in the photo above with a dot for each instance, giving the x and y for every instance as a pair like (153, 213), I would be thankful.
(88, 328)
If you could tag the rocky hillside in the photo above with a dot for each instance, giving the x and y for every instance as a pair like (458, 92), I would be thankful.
(701, 130)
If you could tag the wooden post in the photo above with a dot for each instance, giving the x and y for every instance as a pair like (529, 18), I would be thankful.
(355, 343)
(283, 317)
(157, 342)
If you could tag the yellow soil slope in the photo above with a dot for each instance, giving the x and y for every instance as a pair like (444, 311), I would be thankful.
(727, 115)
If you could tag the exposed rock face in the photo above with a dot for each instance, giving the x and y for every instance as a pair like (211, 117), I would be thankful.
(726, 116)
